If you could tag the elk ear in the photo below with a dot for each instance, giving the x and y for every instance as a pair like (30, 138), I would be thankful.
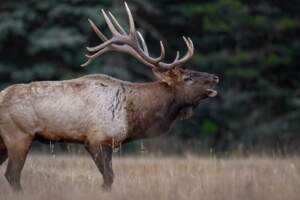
(170, 77)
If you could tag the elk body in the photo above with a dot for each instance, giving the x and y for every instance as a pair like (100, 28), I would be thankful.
(97, 110)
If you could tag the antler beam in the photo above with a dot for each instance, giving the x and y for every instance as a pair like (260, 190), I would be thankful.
(132, 43)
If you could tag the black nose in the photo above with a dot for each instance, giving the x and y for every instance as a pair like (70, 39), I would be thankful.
(216, 79)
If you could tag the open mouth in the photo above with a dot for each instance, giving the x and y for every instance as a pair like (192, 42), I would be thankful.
(211, 92)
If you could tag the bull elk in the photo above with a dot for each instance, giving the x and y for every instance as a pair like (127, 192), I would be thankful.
(99, 111)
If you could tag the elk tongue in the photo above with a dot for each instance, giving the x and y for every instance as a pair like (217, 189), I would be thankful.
(211, 93)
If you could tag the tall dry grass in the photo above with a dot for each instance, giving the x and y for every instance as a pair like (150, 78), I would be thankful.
(74, 177)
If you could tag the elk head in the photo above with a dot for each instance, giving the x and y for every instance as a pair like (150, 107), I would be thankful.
(191, 85)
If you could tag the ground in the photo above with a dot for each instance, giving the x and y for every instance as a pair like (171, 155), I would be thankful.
(72, 177)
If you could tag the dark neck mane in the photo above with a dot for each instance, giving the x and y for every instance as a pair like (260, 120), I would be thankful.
(155, 108)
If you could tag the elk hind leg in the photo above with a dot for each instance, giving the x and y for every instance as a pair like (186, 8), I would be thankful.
(3, 156)
(17, 152)
(3, 151)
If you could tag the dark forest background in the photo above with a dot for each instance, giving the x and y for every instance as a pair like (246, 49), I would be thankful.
(252, 45)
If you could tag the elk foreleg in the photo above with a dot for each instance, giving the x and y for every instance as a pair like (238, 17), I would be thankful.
(102, 155)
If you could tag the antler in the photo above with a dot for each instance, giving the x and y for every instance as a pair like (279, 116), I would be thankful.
(132, 43)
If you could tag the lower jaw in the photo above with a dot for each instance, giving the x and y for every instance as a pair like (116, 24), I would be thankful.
(197, 102)
(212, 93)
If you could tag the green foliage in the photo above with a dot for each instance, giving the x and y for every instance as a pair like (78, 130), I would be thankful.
(218, 16)
(53, 39)
(249, 73)
(209, 127)
(285, 23)
(258, 22)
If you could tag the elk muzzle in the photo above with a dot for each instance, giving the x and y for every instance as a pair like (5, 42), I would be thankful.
(214, 81)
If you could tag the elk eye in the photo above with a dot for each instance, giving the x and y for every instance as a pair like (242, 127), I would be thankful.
(187, 79)
(207, 82)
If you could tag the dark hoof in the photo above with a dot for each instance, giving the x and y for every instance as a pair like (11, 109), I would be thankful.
(17, 189)
(106, 187)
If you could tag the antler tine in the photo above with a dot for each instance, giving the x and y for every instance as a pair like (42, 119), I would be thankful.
(186, 42)
(162, 53)
(179, 62)
(92, 57)
(115, 21)
(110, 24)
(192, 46)
(167, 66)
(97, 31)
(86, 63)
(177, 57)
(145, 48)
(144, 45)
(101, 35)
(188, 54)
(99, 47)
(132, 33)
(131, 21)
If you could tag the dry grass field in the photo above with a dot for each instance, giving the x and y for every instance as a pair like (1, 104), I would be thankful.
(74, 177)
